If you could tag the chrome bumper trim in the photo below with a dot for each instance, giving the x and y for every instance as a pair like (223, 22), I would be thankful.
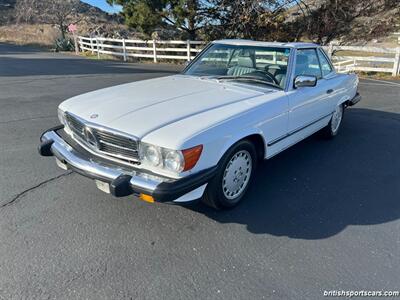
(93, 169)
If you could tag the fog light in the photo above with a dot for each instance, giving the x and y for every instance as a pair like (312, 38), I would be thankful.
(146, 198)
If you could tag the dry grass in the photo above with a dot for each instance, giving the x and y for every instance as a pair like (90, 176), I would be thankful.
(378, 75)
(24, 34)
(89, 55)
(362, 53)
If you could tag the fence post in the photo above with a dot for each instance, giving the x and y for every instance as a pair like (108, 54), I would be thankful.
(98, 48)
(189, 56)
(330, 50)
(91, 45)
(78, 39)
(396, 64)
(76, 43)
(124, 48)
(154, 51)
(80, 45)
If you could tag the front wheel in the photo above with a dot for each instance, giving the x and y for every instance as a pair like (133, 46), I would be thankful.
(332, 129)
(233, 176)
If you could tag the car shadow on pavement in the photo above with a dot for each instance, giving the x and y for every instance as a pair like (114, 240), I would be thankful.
(319, 187)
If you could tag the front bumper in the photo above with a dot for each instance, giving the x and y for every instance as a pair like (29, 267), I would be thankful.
(123, 181)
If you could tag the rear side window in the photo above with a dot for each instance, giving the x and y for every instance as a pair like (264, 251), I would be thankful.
(325, 65)
(307, 63)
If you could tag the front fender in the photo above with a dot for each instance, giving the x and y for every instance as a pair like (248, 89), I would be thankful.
(240, 136)
(215, 148)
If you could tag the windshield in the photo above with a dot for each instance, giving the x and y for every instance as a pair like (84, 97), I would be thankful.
(253, 64)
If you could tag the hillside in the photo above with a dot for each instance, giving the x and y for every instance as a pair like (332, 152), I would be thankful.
(6, 10)
(84, 10)
(89, 19)
(375, 26)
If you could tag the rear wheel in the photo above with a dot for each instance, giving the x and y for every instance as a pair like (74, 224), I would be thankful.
(233, 176)
(332, 129)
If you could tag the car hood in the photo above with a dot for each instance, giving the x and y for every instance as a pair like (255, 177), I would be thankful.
(141, 107)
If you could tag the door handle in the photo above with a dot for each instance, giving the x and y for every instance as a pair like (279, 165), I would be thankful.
(330, 91)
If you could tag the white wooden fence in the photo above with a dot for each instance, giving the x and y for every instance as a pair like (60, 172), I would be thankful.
(398, 36)
(155, 49)
(384, 60)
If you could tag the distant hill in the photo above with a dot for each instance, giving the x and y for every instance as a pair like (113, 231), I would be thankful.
(378, 26)
(90, 20)
(86, 12)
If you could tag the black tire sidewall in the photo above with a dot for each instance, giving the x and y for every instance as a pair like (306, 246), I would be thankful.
(332, 133)
(215, 185)
(327, 132)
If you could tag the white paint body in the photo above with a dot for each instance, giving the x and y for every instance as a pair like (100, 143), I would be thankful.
(181, 111)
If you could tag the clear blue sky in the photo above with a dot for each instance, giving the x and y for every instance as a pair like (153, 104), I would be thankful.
(104, 5)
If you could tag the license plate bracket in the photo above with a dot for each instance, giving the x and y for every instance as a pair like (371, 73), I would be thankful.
(61, 164)
(103, 186)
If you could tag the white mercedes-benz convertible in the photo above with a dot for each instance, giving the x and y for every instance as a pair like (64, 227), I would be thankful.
(200, 134)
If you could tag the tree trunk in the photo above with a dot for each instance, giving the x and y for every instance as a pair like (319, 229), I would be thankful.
(62, 30)
(192, 34)
(191, 19)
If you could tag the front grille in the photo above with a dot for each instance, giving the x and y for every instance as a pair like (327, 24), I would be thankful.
(75, 125)
(117, 145)
(109, 143)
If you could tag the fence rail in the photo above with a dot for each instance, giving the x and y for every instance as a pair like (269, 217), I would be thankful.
(182, 50)
(383, 60)
(367, 59)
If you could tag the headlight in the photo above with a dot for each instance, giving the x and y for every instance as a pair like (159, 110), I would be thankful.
(150, 154)
(171, 160)
(61, 117)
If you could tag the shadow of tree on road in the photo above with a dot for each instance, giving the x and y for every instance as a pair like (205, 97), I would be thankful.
(319, 187)
(12, 66)
(11, 49)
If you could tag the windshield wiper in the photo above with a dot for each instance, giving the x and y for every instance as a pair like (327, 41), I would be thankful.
(247, 78)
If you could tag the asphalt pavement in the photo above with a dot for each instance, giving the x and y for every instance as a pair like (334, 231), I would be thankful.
(322, 215)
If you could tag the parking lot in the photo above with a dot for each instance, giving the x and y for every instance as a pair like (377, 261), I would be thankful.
(323, 215)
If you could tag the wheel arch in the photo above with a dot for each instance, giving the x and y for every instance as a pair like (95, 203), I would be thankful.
(214, 191)
(351, 85)
(259, 143)
(255, 137)
(344, 100)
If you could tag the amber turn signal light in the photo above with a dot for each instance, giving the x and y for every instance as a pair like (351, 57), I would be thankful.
(146, 198)
(191, 156)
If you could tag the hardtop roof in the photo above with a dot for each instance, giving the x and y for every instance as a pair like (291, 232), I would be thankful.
(242, 42)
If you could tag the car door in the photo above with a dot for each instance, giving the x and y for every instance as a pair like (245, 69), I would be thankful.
(329, 78)
(307, 105)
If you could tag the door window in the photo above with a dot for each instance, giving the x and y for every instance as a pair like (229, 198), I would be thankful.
(307, 63)
(325, 65)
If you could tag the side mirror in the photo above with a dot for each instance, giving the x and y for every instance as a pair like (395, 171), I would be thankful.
(305, 80)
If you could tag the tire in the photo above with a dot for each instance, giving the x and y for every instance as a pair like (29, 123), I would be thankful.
(233, 176)
(332, 129)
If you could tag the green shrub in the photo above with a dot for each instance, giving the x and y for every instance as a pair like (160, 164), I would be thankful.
(64, 44)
